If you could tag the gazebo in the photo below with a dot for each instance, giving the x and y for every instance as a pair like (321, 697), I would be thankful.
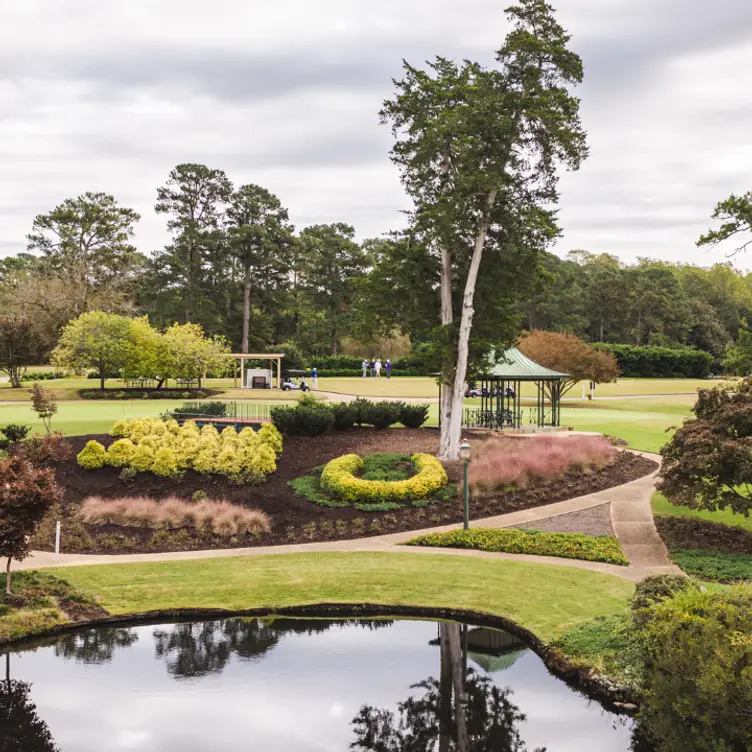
(500, 392)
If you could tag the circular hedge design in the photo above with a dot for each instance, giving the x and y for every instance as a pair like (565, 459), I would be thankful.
(340, 480)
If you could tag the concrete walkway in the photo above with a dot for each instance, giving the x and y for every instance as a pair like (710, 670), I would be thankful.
(631, 516)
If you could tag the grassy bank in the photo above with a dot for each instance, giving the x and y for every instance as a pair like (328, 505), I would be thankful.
(548, 600)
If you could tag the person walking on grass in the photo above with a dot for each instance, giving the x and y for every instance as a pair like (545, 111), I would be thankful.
(378, 368)
(372, 366)
(315, 378)
(388, 368)
(365, 368)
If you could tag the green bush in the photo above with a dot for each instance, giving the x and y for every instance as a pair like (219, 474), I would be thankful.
(413, 416)
(309, 487)
(92, 456)
(566, 545)
(381, 415)
(659, 362)
(656, 588)
(16, 432)
(344, 415)
(697, 650)
(305, 419)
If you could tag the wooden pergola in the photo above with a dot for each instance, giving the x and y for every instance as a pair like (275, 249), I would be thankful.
(245, 357)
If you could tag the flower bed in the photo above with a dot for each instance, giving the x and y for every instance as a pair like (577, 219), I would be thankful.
(166, 449)
(565, 545)
(384, 482)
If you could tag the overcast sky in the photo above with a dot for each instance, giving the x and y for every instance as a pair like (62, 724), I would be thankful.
(109, 96)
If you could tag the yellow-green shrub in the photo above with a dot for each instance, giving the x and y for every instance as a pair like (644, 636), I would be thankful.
(120, 453)
(165, 463)
(204, 461)
(260, 461)
(121, 429)
(143, 458)
(339, 479)
(268, 434)
(227, 461)
(92, 456)
(210, 430)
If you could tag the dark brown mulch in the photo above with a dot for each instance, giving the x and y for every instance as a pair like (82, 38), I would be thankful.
(686, 532)
(594, 521)
(295, 519)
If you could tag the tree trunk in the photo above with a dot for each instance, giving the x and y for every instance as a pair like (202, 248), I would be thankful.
(451, 429)
(335, 348)
(600, 338)
(445, 690)
(7, 576)
(246, 310)
(458, 685)
(101, 380)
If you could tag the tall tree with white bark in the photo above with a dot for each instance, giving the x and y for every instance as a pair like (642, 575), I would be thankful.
(478, 149)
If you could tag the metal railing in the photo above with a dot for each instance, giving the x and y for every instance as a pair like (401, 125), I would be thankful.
(242, 412)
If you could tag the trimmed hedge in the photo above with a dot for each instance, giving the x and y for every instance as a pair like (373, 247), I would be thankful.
(155, 394)
(566, 545)
(311, 418)
(338, 478)
(659, 362)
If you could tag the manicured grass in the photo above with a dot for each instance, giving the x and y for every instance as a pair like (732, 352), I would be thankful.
(80, 418)
(548, 600)
(566, 545)
(663, 507)
(711, 565)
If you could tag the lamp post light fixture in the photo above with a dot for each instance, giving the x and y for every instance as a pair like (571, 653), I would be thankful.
(466, 453)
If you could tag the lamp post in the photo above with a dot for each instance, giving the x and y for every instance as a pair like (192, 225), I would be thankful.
(465, 455)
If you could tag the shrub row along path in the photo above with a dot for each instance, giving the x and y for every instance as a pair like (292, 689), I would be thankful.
(631, 518)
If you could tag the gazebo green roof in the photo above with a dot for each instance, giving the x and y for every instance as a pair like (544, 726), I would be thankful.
(514, 366)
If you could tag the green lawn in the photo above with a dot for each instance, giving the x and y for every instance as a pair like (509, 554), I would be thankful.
(79, 418)
(547, 599)
(663, 507)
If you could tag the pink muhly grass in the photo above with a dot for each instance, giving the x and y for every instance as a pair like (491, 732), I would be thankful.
(503, 462)
(220, 517)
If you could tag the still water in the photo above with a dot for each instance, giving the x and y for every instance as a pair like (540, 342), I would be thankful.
(294, 685)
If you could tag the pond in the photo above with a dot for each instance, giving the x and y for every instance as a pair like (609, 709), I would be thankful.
(294, 685)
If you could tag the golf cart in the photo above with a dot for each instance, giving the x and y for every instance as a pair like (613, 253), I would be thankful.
(290, 384)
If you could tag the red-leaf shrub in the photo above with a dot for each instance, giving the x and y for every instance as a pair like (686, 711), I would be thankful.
(26, 494)
(46, 451)
(504, 462)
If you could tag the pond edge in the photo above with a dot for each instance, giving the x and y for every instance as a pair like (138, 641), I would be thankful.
(616, 698)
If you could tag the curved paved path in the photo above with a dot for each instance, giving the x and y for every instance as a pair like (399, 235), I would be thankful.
(631, 516)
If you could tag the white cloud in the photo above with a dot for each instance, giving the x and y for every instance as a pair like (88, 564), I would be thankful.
(103, 96)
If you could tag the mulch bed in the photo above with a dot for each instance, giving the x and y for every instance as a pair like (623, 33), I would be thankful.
(594, 521)
(294, 519)
(686, 532)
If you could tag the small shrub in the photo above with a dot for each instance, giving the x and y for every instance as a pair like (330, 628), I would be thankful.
(165, 464)
(414, 416)
(384, 506)
(305, 419)
(309, 488)
(120, 453)
(381, 415)
(268, 434)
(566, 545)
(345, 415)
(656, 588)
(128, 473)
(697, 648)
(16, 432)
(143, 458)
(199, 495)
(93, 456)
(47, 451)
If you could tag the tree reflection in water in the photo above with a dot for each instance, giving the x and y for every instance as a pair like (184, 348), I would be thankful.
(21, 729)
(198, 649)
(96, 646)
(462, 711)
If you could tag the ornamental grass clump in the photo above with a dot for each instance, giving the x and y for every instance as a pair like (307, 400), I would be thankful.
(502, 463)
(219, 517)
